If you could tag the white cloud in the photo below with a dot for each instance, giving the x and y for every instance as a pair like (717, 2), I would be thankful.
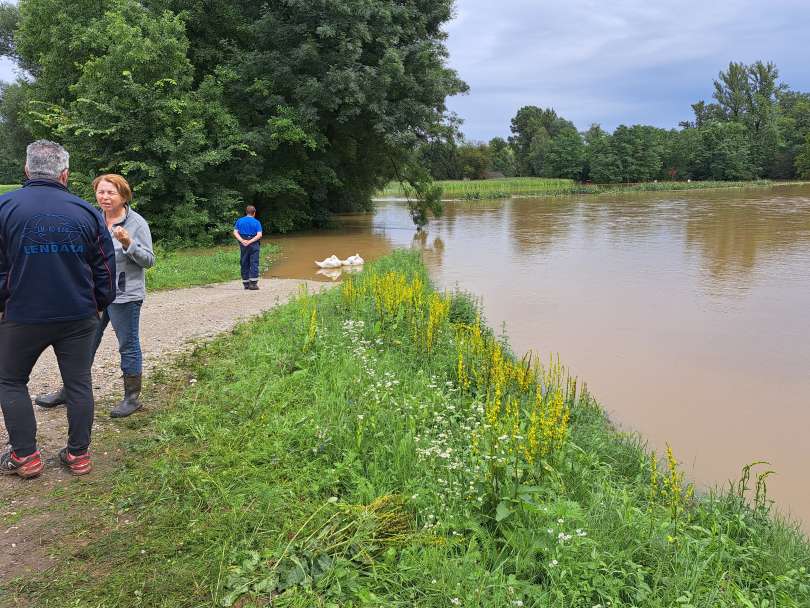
(612, 62)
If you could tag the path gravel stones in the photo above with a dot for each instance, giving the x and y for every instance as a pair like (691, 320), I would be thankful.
(171, 321)
(32, 532)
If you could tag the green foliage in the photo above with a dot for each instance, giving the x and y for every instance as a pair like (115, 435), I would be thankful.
(638, 152)
(748, 95)
(722, 153)
(15, 137)
(424, 196)
(803, 159)
(346, 473)
(474, 160)
(534, 133)
(9, 17)
(300, 109)
(131, 108)
(440, 153)
(565, 156)
(502, 157)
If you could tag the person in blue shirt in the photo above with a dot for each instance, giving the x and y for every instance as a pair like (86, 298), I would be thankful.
(248, 231)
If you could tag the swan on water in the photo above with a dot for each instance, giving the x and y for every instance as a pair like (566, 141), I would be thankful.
(353, 260)
(331, 262)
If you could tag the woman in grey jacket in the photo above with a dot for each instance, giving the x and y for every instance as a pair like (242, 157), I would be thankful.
(133, 255)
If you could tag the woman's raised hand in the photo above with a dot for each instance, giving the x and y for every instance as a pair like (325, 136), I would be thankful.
(122, 235)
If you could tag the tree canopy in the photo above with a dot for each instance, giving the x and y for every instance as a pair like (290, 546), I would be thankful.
(302, 108)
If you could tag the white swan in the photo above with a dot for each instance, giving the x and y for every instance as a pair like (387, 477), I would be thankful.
(354, 260)
(331, 262)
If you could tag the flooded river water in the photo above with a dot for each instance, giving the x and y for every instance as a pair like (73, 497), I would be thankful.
(688, 314)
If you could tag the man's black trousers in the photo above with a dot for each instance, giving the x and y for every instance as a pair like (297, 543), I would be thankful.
(20, 347)
(249, 261)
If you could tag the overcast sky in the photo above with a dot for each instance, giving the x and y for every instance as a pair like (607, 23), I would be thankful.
(621, 61)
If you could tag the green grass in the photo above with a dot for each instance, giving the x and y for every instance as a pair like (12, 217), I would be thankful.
(493, 188)
(6, 188)
(331, 454)
(539, 187)
(188, 267)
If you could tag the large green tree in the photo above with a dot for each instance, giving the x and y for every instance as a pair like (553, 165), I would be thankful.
(502, 157)
(127, 103)
(474, 160)
(602, 164)
(638, 151)
(302, 108)
(722, 152)
(565, 156)
(794, 126)
(749, 95)
(803, 159)
(533, 129)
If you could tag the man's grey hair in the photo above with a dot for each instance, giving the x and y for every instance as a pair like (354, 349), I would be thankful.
(46, 159)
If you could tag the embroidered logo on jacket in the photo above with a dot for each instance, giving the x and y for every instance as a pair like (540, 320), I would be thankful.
(49, 233)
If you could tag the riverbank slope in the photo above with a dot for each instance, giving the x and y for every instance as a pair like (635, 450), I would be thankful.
(377, 446)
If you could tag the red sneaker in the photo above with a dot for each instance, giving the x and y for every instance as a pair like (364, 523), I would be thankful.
(26, 467)
(78, 465)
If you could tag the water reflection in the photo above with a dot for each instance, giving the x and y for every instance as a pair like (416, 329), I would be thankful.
(687, 314)
(432, 249)
(333, 274)
(736, 239)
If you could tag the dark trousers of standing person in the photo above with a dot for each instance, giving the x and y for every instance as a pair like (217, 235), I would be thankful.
(250, 263)
(20, 347)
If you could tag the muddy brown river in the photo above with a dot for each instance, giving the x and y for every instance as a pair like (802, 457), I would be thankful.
(688, 314)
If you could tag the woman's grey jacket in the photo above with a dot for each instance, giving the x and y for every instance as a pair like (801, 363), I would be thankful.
(131, 263)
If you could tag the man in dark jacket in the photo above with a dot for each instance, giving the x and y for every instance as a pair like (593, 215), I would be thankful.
(57, 269)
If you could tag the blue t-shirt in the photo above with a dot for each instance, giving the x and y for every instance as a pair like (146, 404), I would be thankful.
(248, 227)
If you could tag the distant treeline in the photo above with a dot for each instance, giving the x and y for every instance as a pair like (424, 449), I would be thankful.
(756, 127)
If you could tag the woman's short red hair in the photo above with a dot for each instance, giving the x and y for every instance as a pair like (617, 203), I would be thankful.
(118, 181)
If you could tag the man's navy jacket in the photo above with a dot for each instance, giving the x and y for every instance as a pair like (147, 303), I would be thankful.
(56, 256)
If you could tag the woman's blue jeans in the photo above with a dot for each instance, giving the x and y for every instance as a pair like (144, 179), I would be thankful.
(125, 319)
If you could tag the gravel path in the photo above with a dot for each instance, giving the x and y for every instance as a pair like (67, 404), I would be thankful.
(32, 530)
(170, 322)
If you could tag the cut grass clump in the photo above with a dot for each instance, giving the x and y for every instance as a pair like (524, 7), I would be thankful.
(376, 445)
(176, 268)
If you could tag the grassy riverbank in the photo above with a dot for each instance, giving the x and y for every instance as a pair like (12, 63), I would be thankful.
(494, 188)
(530, 186)
(189, 267)
(378, 446)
